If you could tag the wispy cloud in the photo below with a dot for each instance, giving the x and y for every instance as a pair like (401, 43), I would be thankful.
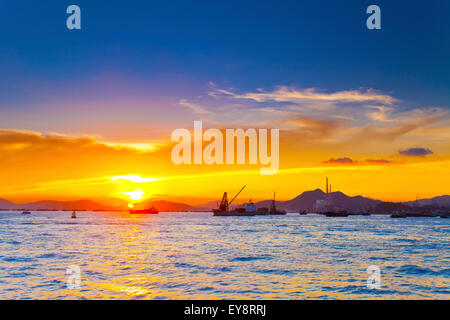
(344, 160)
(193, 107)
(349, 161)
(293, 95)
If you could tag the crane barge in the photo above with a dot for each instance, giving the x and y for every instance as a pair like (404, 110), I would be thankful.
(224, 208)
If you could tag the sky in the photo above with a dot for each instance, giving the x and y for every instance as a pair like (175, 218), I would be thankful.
(90, 112)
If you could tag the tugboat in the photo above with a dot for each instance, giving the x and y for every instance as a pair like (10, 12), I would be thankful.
(26, 212)
(273, 209)
(303, 212)
(224, 208)
(151, 210)
(74, 215)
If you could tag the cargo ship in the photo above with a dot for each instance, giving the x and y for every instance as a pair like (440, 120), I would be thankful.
(151, 210)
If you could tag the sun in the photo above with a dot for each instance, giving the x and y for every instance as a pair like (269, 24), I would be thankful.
(135, 195)
(130, 205)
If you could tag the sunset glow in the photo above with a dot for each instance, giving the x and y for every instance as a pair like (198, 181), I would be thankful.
(241, 151)
(135, 195)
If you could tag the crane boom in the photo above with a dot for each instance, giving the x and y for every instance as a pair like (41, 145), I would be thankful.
(237, 194)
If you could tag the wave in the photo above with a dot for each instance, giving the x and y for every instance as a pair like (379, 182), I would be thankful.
(416, 270)
(251, 258)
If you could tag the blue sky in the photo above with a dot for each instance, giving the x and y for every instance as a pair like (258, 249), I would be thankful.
(167, 51)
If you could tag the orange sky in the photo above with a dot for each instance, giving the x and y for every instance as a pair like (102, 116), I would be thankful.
(367, 141)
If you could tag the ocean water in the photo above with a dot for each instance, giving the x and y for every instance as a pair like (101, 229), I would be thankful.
(198, 256)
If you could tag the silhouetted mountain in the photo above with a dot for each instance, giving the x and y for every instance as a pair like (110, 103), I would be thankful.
(358, 202)
(440, 201)
(307, 199)
(64, 205)
(165, 206)
(304, 201)
(113, 202)
(5, 204)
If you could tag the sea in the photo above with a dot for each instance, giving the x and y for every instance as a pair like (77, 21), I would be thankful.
(194, 255)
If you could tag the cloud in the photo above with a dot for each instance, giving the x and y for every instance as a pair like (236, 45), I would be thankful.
(293, 95)
(349, 161)
(312, 129)
(28, 156)
(344, 160)
(30, 141)
(378, 161)
(373, 132)
(379, 113)
(193, 107)
(363, 116)
(416, 152)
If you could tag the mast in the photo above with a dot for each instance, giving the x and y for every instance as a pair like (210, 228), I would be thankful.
(327, 185)
(273, 209)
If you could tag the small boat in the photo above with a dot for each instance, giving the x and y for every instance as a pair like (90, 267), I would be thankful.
(419, 215)
(151, 210)
(26, 212)
(302, 212)
(442, 213)
(398, 215)
(74, 215)
(341, 213)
